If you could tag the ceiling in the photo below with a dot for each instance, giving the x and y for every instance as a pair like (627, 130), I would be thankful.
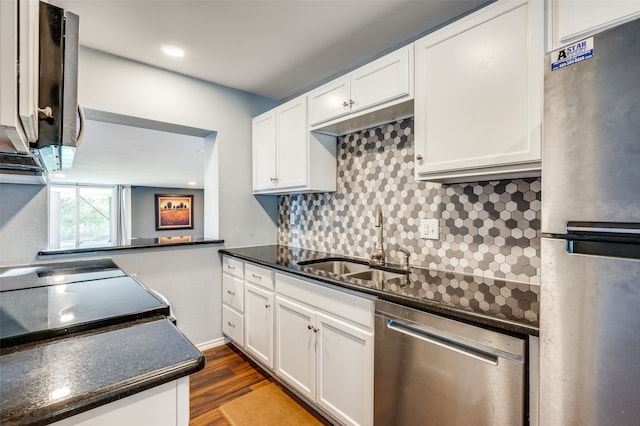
(273, 48)
(276, 49)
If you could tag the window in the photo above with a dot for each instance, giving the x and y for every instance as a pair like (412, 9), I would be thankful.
(82, 216)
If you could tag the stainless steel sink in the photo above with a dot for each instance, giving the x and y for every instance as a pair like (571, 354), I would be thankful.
(376, 275)
(352, 269)
(340, 267)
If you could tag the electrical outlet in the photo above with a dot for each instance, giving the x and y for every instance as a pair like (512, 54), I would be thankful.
(429, 229)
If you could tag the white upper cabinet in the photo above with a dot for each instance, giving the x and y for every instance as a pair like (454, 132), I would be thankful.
(573, 20)
(19, 64)
(264, 150)
(478, 98)
(287, 157)
(330, 101)
(292, 136)
(378, 84)
(382, 80)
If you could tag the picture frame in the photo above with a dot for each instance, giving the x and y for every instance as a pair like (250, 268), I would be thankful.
(174, 211)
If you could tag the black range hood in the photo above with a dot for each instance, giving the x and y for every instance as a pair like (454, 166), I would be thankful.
(58, 88)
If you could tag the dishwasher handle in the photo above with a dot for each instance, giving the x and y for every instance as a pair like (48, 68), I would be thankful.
(446, 342)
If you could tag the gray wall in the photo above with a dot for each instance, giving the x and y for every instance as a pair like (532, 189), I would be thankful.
(143, 224)
(23, 222)
(189, 276)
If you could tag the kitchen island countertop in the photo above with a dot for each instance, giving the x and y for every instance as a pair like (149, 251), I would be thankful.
(78, 335)
(499, 304)
(46, 381)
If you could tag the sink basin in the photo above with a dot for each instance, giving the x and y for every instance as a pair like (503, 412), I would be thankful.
(376, 275)
(340, 267)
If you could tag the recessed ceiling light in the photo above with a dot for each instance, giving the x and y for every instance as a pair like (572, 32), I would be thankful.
(192, 183)
(173, 51)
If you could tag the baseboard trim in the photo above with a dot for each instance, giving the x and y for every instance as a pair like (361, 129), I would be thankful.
(212, 343)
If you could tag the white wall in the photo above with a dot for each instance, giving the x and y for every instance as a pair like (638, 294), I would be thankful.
(188, 276)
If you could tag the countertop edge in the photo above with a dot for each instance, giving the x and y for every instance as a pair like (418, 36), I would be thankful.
(86, 403)
(44, 253)
(473, 318)
(113, 391)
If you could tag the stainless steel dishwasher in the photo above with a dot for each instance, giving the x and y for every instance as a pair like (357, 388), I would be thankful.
(431, 370)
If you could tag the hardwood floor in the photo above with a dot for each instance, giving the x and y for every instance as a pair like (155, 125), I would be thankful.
(228, 374)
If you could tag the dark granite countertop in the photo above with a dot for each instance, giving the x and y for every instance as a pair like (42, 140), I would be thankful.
(499, 304)
(77, 335)
(46, 381)
(136, 243)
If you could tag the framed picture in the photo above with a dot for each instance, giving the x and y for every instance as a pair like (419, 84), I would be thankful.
(174, 212)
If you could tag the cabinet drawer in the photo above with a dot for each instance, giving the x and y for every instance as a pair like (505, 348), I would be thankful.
(258, 275)
(356, 309)
(233, 266)
(233, 292)
(233, 325)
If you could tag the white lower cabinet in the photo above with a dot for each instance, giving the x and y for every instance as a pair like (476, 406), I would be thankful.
(344, 365)
(233, 299)
(233, 325)
(295, 346)
(258, 323)
(322, 354)
(315, 338)
(164, 405)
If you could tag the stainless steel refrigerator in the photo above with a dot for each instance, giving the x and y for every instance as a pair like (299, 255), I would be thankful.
(590, 292)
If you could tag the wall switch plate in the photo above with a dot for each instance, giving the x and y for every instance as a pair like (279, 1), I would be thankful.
(429, 229)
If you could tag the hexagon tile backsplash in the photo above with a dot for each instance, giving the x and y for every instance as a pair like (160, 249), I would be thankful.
(488, 229)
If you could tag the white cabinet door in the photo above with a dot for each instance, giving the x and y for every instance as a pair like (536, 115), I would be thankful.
(295, 346)
(258, 323)
(382, 80)
(576, 19)
(292, 135)
(264, 151)
(329, 101)
(344, 370)
(478, 99)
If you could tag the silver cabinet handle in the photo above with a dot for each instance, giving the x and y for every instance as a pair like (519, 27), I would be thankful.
(231, 292)
(230, 324)
(256, 276)
(345, 104)
(310, 327)
(351, 102)
(419, 157)
(267, 306)
(230, 267)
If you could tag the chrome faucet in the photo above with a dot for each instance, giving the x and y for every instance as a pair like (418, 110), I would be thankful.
(377, 254)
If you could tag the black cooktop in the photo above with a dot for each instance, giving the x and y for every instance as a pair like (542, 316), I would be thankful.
(44, 274)
(43, 301)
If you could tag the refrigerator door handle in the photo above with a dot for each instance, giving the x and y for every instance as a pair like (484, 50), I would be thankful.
(603, 228)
